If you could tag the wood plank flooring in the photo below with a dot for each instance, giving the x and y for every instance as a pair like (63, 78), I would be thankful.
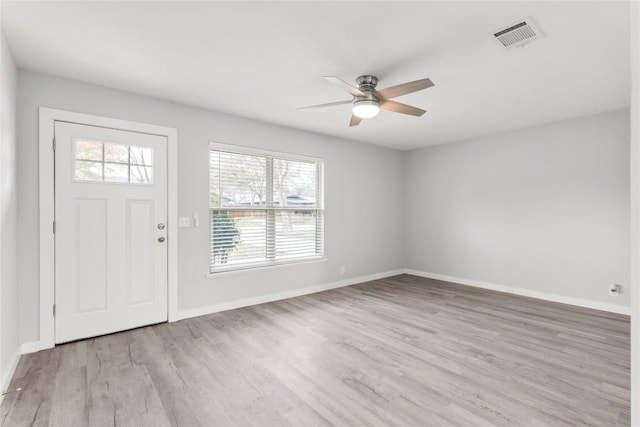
(399, 351)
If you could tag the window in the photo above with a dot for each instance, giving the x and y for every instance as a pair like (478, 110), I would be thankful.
(110, 162)
(265, 208)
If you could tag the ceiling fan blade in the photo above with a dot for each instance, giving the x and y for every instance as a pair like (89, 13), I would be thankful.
(330, 104)
(346, 86)
(404, 88)
(355, 120)
(398, 107)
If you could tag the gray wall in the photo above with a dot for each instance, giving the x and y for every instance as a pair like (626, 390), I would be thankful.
(9, 343)
(362, 182)
(543, 209)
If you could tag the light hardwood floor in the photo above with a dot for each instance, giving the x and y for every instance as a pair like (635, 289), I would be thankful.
(398, 351)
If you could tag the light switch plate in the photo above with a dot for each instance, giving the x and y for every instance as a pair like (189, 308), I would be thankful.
(184, 221)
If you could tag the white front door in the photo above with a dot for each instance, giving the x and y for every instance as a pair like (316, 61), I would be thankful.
(110, 230)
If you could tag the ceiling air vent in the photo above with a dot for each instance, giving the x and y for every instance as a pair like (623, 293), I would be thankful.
(518, 34)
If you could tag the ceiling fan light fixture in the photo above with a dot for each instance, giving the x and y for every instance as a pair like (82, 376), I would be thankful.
(366, 108)
(366, 99)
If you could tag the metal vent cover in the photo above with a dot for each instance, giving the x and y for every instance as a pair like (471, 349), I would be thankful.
(522, 32)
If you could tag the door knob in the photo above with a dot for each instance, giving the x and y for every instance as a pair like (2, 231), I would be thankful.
(160, 239)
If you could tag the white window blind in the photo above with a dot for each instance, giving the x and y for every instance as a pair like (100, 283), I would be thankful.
(265, 207)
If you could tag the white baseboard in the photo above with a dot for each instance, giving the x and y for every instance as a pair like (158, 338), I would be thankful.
(613, 308)
(201, 311)
(32, 347)
(8, 376)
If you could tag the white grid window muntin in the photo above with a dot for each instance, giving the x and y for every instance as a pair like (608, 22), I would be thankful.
(266, 208)
(114, 163)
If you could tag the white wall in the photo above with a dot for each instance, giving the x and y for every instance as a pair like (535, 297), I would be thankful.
(635, 212)
(362, 182)
(544, 209)
(9, 344)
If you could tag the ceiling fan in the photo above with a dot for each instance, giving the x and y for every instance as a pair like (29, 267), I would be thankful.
(367, 101)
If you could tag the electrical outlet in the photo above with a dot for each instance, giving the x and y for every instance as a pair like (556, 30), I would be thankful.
(614, 290)
(184, 221)
(343, 270)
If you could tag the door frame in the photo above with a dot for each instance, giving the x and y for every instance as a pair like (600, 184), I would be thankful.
(47, 119)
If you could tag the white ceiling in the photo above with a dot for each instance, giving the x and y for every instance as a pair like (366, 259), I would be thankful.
(264, 59)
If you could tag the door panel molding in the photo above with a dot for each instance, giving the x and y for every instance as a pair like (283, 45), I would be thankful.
(136, 261)
(47, 119)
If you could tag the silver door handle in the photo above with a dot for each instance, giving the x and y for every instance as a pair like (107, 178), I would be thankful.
(160, 239)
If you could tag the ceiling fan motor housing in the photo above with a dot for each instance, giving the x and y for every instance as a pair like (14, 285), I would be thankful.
(367, 83)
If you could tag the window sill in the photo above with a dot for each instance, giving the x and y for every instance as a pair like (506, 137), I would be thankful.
(260, 267)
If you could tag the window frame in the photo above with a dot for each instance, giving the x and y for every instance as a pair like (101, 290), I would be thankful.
(270, 209)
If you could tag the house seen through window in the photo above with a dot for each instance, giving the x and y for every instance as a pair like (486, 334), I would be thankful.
(265, 208)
